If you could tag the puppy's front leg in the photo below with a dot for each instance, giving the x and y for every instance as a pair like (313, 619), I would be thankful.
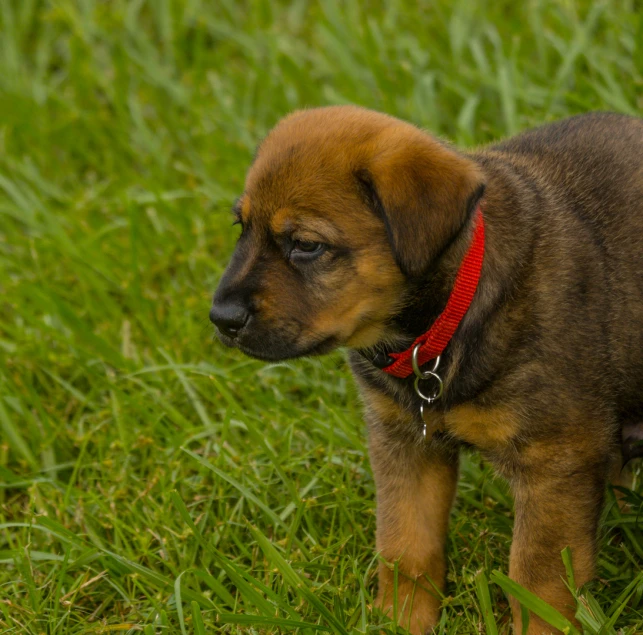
(558, 500)
(415, 490)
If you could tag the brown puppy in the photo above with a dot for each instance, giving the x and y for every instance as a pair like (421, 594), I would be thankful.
(354, 225)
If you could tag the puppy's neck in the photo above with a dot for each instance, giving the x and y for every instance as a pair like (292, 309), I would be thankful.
(427, 296)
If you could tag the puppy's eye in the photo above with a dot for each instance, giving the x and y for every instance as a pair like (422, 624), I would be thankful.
(306, 249)
(306, 246)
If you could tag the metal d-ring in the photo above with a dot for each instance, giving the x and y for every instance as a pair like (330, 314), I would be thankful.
(426, 374)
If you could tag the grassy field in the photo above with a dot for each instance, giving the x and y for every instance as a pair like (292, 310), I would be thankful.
(151, 480)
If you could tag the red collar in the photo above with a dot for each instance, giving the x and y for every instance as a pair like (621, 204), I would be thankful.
(435, 340)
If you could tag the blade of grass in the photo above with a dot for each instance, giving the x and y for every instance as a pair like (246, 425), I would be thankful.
(482, 591)
(533, 603)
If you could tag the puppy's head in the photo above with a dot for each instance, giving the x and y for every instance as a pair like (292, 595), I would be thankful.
(343, 210)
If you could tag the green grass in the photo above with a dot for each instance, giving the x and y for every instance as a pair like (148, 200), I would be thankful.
(151, 480)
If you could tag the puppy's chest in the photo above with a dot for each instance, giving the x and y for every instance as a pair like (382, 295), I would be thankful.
(486, 427)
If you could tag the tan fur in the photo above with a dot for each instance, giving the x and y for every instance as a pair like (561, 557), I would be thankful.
(486, 428)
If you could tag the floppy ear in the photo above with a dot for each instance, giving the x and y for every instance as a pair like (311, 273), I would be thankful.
(422, 190)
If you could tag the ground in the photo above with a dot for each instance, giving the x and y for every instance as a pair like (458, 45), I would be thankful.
(151, 480)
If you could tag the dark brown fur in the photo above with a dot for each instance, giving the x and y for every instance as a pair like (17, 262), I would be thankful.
(544, 371)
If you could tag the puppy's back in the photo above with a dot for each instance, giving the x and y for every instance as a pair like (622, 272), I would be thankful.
(594, 161)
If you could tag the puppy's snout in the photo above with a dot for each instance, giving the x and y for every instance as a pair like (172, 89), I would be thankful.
(229, 317)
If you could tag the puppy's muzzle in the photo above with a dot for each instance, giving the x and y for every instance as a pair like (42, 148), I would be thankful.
(229, 317)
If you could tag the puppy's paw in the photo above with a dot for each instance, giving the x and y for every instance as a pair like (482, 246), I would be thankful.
(418, 609)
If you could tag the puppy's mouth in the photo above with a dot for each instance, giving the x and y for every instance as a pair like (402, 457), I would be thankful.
(271, 348)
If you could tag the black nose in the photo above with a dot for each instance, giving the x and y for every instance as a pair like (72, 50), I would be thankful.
(229, 317)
